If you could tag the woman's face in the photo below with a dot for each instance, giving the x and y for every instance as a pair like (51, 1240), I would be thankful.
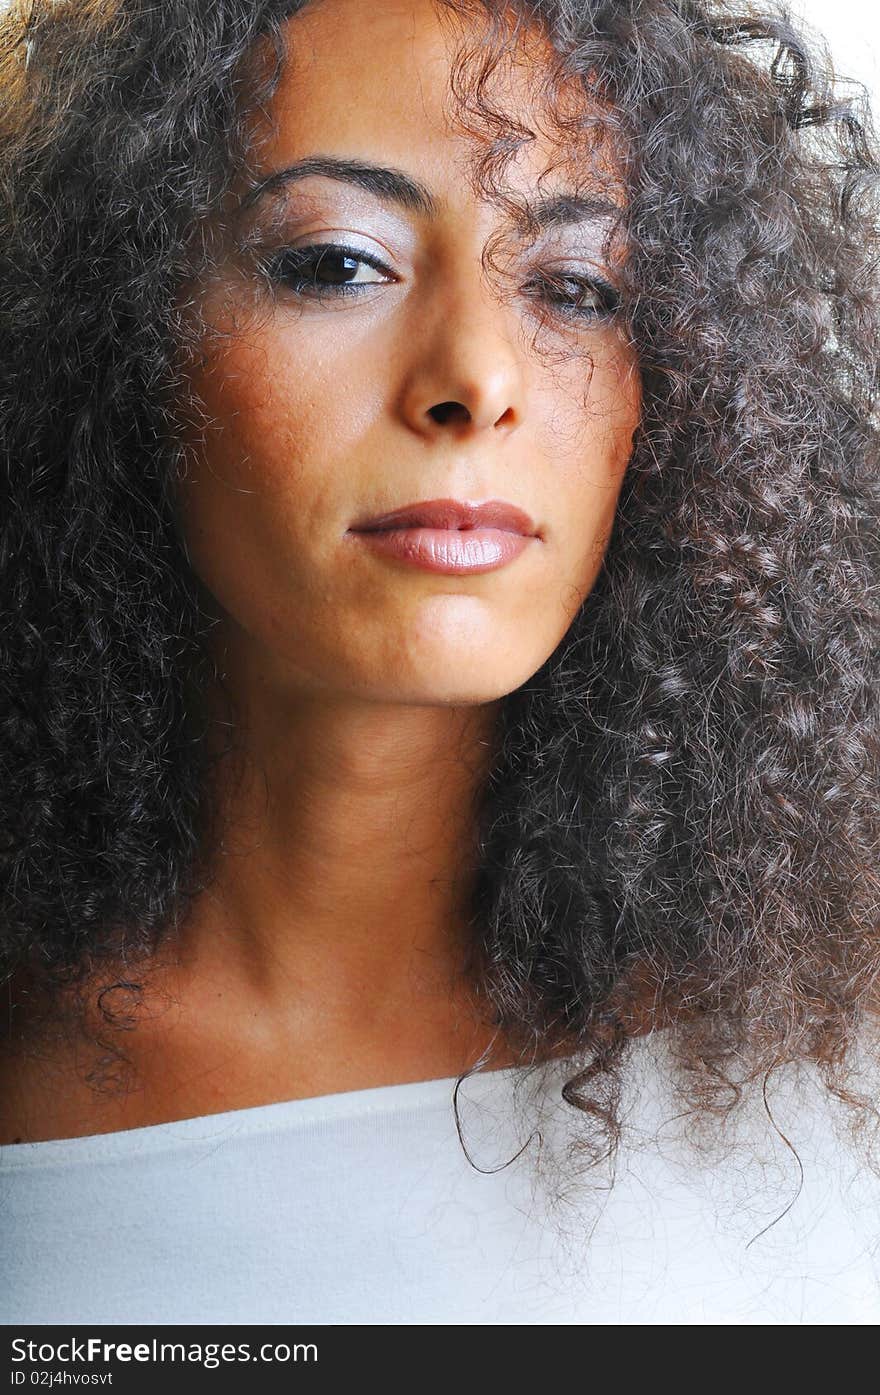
(401, 371)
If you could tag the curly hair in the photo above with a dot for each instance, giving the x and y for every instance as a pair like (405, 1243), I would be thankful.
(681, 825)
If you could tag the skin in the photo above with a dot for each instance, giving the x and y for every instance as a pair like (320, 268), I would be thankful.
(326, 954)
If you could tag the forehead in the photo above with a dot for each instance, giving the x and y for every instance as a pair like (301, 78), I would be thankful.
(363, 79)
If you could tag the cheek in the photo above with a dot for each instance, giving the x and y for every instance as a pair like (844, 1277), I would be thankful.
(259, 485)
(253, 394)
(594, 437)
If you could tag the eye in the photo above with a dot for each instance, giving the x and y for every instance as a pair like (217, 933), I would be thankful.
(574, 294)
(326, 269)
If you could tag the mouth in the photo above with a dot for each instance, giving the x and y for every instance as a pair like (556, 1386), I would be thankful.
(451, 516)
(446, 536)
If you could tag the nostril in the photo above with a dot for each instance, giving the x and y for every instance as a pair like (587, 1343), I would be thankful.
(448, 411)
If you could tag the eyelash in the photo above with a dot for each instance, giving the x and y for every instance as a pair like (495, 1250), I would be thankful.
(296, 268)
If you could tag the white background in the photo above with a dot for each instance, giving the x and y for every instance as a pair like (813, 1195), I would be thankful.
(851, 29)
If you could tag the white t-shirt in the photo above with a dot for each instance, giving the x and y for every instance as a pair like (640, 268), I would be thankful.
(362, 1207)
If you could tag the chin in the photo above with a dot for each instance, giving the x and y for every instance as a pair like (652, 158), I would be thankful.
(462, 681)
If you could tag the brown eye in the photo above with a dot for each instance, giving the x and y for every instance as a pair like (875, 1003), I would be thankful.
(325, 269)
(586, 297)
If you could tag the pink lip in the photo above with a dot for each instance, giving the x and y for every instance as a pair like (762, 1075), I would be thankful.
(450, 550)
(454, 515)
(444, 535)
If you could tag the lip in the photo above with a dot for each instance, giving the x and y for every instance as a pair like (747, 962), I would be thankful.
(452, 515)
(453, 551)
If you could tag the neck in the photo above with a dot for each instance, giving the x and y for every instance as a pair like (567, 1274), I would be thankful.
(340, 885)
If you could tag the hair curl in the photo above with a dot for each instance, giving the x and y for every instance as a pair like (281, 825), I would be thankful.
(681, 826)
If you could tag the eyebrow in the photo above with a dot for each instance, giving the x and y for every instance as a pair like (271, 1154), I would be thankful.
(396, 187)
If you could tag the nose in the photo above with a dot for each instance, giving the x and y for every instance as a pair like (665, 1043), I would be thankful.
(464, 374)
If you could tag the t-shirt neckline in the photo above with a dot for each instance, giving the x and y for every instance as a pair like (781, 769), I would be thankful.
(253, 1119)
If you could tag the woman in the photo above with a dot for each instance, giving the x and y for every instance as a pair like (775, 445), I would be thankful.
(440, 559)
